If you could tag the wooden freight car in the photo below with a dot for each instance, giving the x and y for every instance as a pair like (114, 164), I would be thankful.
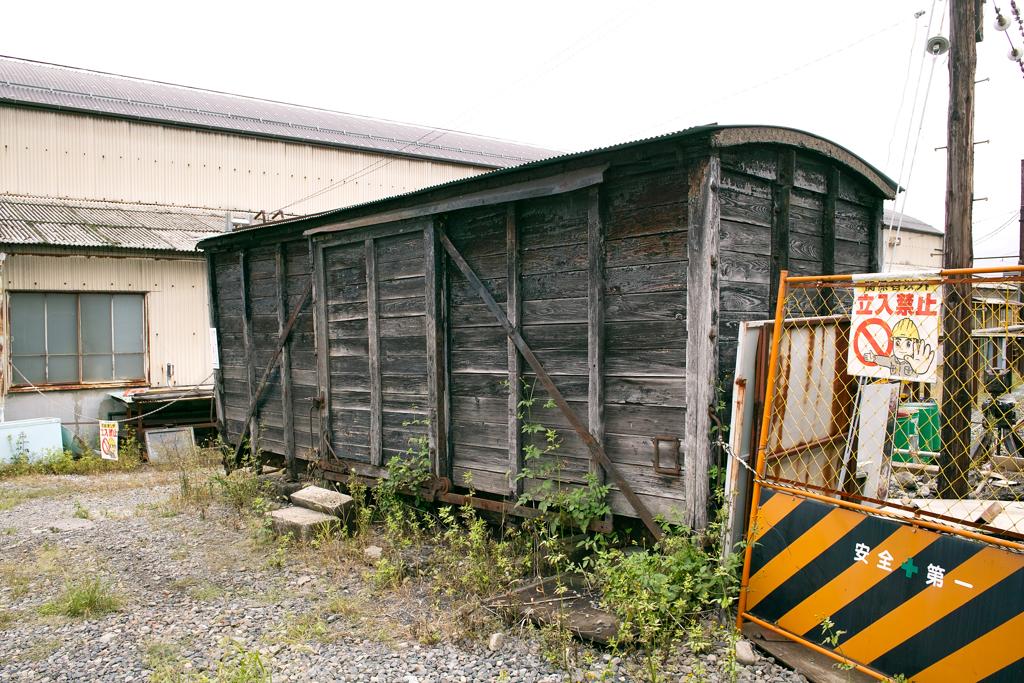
(615, 279)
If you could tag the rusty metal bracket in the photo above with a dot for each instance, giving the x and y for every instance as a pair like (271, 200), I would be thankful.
(596, 452)
(657, 455)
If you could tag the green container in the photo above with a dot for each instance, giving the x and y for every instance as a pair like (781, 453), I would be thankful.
(927, 427)
(906, 430)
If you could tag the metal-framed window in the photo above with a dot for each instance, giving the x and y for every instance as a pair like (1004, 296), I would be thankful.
(69, 338)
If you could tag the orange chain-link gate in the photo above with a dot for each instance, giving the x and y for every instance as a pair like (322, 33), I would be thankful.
(887, 515)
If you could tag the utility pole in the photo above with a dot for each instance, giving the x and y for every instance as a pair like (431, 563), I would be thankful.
(958, 376)
(1015, 343)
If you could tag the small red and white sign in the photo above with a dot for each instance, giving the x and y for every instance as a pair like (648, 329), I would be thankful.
(108, 440)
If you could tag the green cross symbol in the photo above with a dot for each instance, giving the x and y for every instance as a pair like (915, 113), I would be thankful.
(909, 567)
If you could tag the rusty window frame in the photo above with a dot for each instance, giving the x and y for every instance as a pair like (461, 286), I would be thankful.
(18, 385)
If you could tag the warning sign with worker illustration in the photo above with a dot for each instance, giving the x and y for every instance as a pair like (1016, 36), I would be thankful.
(894, 331)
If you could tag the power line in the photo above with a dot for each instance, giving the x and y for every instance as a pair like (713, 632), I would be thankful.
(998, 230)
(920, 128)
(444, 129)
(640, 133)
(903, 95)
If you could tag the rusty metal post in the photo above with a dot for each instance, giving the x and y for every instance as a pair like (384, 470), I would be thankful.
(769, 391)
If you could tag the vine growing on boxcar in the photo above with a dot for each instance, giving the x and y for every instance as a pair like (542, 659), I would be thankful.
(541, 464)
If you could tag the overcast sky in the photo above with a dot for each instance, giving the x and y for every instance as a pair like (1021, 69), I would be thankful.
(579, 75)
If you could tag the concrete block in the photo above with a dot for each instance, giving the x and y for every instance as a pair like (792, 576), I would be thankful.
(72, 524)
(282, 487)
(302, 524)
(323, 500)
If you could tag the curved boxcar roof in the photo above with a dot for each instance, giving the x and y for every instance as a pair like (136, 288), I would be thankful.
(717, 137)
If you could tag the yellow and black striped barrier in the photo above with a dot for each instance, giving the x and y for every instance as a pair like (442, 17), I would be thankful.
(935, 608)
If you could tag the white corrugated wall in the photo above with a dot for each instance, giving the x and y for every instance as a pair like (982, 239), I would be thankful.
(56, 154)
(916, 251)
(176, 302)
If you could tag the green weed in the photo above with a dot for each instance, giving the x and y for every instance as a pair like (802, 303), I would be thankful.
(7, 618)
(85, 597)
(58, 461)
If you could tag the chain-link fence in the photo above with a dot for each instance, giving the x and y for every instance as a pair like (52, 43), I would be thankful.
(904, 393)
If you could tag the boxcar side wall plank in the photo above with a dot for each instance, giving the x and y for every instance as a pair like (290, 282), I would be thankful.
(780, 235)
(596, 324)
(702, 304)
(218, 378)
(373, 337)
(434, 322)
(324, 378)
(288, 422)
(247, 334)
(514, 311)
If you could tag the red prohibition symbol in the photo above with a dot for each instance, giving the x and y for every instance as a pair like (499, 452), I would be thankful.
(867, 329)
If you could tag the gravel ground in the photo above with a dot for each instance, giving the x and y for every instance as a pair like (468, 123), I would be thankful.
(192, 585)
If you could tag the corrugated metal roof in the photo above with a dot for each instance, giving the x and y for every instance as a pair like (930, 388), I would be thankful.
(52, 86)
(568, 156)
(909, 223)
(80, 223)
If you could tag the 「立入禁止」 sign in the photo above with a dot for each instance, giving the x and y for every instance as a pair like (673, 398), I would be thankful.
(894, 330)
(108, 440)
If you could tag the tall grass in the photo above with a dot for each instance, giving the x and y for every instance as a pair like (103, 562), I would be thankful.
(58, 461)
(84, 597)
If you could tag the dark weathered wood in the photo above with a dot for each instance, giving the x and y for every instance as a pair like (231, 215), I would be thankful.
(514, 307)
(875, 242)
(375, 232)
(781, 190)
(287, 410)
(323, 360)
(373, 339)
(588, 438)
(958, 367)
(828, 237)
(828, 224)
(437, 414)
(218, 378)
(702, 302)
(595, 323)
(250, 418)
(544, 187)
(250, 350)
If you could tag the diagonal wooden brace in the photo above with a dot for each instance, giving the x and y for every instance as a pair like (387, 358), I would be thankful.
(596, 451)
(270, 367)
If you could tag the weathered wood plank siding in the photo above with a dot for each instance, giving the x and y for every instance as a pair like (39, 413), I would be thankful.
(626, 271)
(231, 340)
(348, 357)
(263, 314)
(645, 263)
(302, 348)
(403, 343)
(479, 352)
(262, 288)
(828, 230)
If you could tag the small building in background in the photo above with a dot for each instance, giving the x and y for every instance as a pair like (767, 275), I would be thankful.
(910, 244)
(102, 298)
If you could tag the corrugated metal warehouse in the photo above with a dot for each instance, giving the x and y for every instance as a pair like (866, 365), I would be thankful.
(617, 278)
(106, 184)
(74, 133)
